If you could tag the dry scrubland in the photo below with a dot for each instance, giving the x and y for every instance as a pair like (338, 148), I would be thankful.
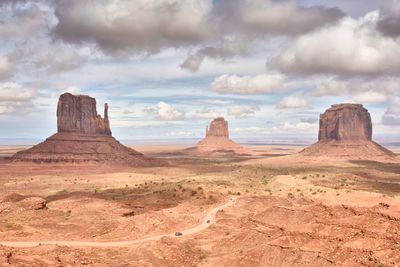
(291, 210)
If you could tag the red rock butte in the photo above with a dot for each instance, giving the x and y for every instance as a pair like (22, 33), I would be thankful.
(345, 130)
(217, 140)
(83, 136)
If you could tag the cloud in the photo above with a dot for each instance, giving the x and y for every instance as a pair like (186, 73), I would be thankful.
(233, 84)
(15, 92)
(242, 111)
(311, 120)
(6, 68)
(298, 127)
(217, 29)
(361, 90)
(370, 97)
(285, 17)
(389, 20)
(132, 27)
(225, 51)
(167, 112)
(392, 115)
(293, 101)
(23, 22)
(207, 113)
(14, 97)
(350, 48)
(5, 109)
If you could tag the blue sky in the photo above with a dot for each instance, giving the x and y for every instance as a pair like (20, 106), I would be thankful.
(168, 67)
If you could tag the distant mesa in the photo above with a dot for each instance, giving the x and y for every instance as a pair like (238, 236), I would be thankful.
(83, 136)
(345, 130)
(217, 140)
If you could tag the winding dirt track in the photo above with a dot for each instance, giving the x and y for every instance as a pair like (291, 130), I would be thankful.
(208, 220)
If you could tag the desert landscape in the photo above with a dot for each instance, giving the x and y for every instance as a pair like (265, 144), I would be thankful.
(200, 209)
(199, 133)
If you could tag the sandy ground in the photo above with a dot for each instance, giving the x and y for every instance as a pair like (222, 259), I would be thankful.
(290, 211)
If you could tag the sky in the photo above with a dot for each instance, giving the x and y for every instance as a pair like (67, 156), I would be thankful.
(168, 67)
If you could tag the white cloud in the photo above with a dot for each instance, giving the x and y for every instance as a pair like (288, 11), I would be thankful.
(141, 26)
(208, 113)
(10, 92)
(363, 89)
(167, 112)
(392, 115)
(352, 47)
(6, 68)
(242, 111)
(233, 84)
(370, 97)
(5, 109)
(293, 101)
(298, 127)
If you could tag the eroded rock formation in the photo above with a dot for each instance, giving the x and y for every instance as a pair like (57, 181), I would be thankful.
(79, 114)
(345, 130)
(345, 122)
(217, 140)
(218, 127)
(83, 136)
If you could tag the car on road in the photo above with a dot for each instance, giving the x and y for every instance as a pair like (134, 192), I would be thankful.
(178, 234)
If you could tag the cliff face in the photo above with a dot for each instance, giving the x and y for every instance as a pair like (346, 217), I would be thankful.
(218, 127)
(78, 114)
(345, 131)
(345, 122)
(83, 136)
(217, 140)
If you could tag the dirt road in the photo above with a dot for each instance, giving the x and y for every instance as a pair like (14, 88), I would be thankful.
(208, 220)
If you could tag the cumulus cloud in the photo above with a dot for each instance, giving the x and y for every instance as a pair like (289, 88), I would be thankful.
(392, 115)
(233, 84)
(295, 127)
(225, 51)
(207, 113)
(167, 112)
(285, 17)
(60, 58)
(15, 92)
(352, 47)
(144, 27)
(6, 68)
(121, 27)
(293, 101)
(23, 22)
(389, 20)
(361, 90)
(243, 111)
(13, 96)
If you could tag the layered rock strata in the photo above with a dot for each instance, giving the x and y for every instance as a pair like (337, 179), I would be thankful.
(345, 130)
(83, 136)
(217, 140)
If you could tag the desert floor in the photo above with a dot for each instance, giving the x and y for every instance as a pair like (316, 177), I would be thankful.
(272, 209)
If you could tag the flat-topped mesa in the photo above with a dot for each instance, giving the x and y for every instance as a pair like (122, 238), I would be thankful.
(345, 131)
(345, 122)
(78, 114)
(218, 127)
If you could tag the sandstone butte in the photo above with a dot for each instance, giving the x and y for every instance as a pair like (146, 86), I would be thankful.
(217, 140)
(83, 136)
(345, 130)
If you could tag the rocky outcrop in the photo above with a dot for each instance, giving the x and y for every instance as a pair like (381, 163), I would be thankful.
(217, 140)
(345, 130)
(83, 136)
(78, 114)
(345, 122)
(218, 127)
